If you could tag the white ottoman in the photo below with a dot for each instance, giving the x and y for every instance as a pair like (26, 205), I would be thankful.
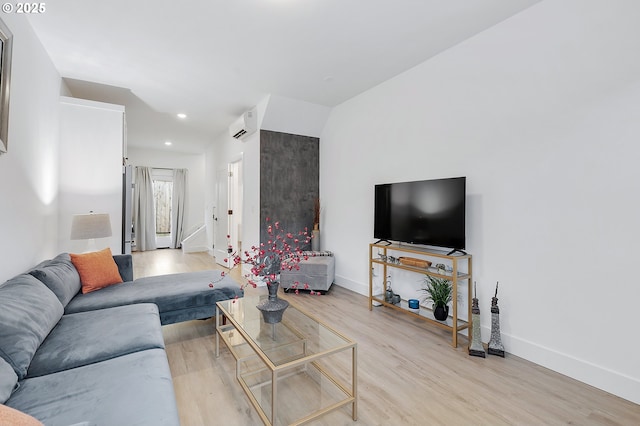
(318, 271)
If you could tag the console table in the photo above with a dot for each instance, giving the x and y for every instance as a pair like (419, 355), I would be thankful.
(457, 276)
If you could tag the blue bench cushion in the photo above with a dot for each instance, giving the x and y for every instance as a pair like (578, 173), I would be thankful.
(88, 337)
(133, 389)
(179, 297)
(60, 276)
(28, 312)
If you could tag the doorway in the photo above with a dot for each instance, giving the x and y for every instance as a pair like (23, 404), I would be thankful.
(235, 205)
(227, 220)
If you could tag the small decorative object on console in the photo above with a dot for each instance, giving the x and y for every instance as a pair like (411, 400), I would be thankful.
(442, 269)
(389, 295)
(412, 261)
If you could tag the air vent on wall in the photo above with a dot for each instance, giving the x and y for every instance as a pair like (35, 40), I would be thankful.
(244, 126)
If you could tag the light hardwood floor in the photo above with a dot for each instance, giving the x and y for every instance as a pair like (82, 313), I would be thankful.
(408, 373)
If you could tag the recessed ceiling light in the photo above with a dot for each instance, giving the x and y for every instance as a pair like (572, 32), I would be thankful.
(182, 115)
(167, 143)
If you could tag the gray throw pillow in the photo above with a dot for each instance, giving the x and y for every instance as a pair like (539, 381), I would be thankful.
(60, 276)
(28, 312)
(8, 381)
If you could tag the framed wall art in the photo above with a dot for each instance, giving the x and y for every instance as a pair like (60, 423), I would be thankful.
(6, 44)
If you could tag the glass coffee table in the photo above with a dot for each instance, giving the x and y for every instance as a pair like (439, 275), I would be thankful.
(293, 371)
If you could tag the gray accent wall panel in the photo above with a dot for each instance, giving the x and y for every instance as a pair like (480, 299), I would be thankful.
(289, 180)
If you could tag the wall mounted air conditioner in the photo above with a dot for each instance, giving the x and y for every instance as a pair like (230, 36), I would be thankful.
(244, 126)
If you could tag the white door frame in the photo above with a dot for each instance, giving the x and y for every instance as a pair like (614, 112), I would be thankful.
(220, 224)
(228, 211)
(235, 204)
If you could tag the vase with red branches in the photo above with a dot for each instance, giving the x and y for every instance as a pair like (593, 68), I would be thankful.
(281, 251)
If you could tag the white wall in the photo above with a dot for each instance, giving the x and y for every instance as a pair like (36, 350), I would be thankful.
(29, 171)
(541, 114)
(293, 116)
(90, 131)
(223, 150)
(195, 163)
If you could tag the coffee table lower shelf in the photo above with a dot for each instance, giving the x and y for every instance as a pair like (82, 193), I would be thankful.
(287, 382)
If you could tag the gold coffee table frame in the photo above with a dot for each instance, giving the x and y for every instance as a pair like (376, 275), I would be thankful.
(297, 349)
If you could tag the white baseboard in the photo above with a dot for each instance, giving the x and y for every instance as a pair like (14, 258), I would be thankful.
(195, 249)
(594, 375)
(351, 285)
(584, 371)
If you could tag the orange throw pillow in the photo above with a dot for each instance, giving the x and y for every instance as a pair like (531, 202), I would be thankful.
(13, 417)
(96, 269)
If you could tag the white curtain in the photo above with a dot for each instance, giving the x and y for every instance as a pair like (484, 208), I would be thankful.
(178, 206)
(144, 216)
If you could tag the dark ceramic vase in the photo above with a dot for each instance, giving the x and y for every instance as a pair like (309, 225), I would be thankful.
(441, 312)
(273, 308)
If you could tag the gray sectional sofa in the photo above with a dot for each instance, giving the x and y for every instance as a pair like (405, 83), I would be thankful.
(68, 358)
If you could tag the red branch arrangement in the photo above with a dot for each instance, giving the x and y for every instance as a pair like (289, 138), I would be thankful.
(281, 251)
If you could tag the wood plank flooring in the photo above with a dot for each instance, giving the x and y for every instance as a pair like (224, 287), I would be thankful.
(408, 373)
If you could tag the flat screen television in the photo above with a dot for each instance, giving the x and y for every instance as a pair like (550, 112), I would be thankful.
(427, 212)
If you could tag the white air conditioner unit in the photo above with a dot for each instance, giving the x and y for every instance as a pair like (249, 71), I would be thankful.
(244, 126)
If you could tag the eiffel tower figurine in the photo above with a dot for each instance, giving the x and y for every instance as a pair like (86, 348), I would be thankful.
(495, 344)
(476, 348)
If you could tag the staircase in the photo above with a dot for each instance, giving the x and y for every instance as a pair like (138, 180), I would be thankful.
(196, 241)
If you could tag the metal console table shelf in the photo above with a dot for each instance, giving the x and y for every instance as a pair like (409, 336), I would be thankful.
(453, 324)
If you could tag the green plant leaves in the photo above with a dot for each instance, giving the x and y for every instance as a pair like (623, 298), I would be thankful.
(437, 290)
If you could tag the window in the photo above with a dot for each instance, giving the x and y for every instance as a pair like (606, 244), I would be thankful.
(162, 193)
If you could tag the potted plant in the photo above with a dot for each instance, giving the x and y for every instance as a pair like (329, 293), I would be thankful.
(439, 291)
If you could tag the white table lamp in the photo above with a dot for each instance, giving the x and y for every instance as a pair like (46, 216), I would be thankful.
(89, 227)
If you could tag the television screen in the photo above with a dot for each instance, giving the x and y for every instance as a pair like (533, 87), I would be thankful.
(428, 212)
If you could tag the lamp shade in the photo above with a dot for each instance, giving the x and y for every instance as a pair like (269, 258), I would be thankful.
(88, 226)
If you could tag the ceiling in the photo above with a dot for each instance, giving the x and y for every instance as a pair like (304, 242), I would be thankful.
(215, 59)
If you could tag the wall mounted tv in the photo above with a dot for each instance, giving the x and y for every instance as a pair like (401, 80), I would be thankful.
(427, 212)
